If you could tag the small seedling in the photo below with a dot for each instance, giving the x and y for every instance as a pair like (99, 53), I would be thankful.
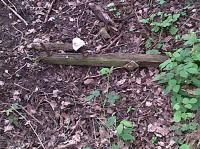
(10, 113)
(112, 8)
(106, 71)
(112, 97)
(111, 122)
(130, 109)
(93, 95)
(154, 140)
(125, 130)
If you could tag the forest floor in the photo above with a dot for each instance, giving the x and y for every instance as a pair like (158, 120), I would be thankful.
(45, 106)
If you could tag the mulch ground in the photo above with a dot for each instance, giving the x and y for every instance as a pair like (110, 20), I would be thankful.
(53, 112)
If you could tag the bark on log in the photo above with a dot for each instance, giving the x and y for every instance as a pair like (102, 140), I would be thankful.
(108, 60)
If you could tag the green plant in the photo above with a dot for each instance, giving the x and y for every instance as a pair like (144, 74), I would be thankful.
(10, 113)
(154, 140)
(93, 95)
(130, 109)
(111, 121)
(181, 72)
(125, 130)
(115, 146)
(112, 8)
(106, 71)
(184, 146)
(161, 20)
(161, 2)
(112, 97)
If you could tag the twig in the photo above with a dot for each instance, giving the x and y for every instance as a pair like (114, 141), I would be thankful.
(112, 43)
(49, 10)
(29, 123)
(22, 87)
(14, 12)
(32, 116)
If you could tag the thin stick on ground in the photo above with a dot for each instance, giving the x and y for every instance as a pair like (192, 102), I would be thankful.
(14, 12)
(28, 122)
(49, 10)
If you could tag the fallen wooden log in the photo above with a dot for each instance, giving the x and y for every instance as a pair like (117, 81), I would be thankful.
(106, 60)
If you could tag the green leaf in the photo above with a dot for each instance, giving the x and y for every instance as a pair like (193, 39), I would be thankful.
(127, 137)
(95, 93)
(127, 123)
(188, 106)
(190, 115)
(177, 116)
(105, 71)
(184, 74)
(153, 52)
(184, 146)
(115, 146)
(165, 63)
(112, 97)
(119, 129)
(185, 100)
(176, 88)
(177, 106)
(172, 82)
(196, 82)
(190, 38)
(111, 121)
(148, 43)
(193, 126)
(173, 30)
(193, 101)
(193, 70)
(144, 21)
(89, 98)
(155, 29)
(176, 17)
(197, 92)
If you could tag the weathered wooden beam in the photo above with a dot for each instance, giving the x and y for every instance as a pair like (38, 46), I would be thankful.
(108, 60)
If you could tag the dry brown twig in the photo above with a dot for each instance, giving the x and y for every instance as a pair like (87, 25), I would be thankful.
(49, 10)
(29, 123)
(22, 19)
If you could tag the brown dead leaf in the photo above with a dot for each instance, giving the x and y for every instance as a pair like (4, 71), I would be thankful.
(157, 129)
(8, 128)
(88, 81)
